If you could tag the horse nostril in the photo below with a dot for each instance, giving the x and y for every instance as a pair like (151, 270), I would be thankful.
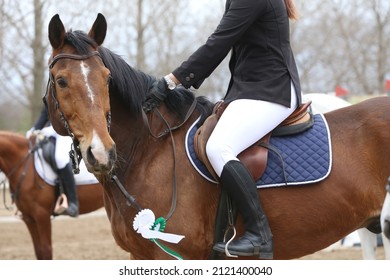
(112, 153)
(90, 157)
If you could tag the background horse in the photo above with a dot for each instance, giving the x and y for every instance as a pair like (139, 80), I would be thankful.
(323, 103)
(34, 198)
(143, 146)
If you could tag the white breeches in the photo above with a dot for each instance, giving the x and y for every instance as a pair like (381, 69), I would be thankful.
(242, 124)
(63, 146)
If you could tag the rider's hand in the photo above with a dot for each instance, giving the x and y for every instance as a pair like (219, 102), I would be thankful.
(157, 94)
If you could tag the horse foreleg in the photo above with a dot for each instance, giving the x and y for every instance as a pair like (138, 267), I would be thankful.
(40, 231)
(368, 242)
(31, 226)
(386, 246)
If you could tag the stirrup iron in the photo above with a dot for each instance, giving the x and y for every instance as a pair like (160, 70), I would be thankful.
(227, 253)
(61, 204)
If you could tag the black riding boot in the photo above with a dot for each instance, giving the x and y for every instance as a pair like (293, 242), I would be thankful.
(257, 239)
(68, 183)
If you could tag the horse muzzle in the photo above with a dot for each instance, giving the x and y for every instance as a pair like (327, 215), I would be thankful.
(99, 161)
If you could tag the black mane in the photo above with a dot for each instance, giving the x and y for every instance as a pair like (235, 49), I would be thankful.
(132, 85)
(80, 41)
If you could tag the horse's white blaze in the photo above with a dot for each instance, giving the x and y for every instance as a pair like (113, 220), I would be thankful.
(85, 71)
(98, 150)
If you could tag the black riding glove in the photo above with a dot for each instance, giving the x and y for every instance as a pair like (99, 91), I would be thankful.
(157, 94)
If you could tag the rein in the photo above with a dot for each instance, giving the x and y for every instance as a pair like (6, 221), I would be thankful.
(169, 129)
(130, 199)
(143, 214)
(75, 152)
(165, 132)
(14, 195)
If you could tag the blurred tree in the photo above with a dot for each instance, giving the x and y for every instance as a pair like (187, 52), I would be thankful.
(39, 66)
(341, 42)
(22, 68)
(336, 42)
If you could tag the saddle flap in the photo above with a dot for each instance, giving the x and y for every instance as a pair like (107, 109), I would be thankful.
(201, 137)
(254, 157)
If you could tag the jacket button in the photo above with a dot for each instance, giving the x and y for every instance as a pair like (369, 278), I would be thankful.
(192, 75)
(188, 79)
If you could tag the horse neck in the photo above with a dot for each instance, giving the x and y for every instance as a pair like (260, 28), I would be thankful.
(136, 139)
(127, 130)
(13, 150)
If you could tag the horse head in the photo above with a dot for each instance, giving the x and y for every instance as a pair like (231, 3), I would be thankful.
(78, 88)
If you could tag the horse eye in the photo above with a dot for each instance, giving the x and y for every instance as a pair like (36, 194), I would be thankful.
(109, 79)
(62, 83)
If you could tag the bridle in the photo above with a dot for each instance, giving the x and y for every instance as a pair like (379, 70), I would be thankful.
(75, 152)
(25, 160)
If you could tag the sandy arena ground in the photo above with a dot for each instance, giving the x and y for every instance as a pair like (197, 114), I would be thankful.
(88, 237)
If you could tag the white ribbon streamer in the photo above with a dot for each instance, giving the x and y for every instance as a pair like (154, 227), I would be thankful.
(144, 220)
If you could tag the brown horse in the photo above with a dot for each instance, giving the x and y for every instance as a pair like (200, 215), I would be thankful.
(100, 99)
(34, 198)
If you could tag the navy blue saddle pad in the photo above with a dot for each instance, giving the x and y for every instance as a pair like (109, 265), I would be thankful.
(301, 159)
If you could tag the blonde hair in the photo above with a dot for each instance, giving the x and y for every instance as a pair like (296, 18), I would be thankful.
(291, 9)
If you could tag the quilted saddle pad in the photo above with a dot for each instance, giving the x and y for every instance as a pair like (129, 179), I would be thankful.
(300, 159)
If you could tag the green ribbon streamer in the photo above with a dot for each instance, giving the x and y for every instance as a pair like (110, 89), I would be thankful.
(162, 223)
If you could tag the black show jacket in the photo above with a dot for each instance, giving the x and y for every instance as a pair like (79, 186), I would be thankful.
(262, 64)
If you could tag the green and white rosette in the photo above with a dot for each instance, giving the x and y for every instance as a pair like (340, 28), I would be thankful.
(146, 224)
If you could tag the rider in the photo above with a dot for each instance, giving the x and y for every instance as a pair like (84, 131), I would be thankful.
(264, 90)
(64, 167)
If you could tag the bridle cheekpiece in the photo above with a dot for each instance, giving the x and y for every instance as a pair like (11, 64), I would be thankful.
(75, 152)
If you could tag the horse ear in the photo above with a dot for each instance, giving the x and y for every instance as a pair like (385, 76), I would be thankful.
(56, 32)
(99, 29)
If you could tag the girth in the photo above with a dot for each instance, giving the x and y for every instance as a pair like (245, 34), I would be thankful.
(254, 157)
